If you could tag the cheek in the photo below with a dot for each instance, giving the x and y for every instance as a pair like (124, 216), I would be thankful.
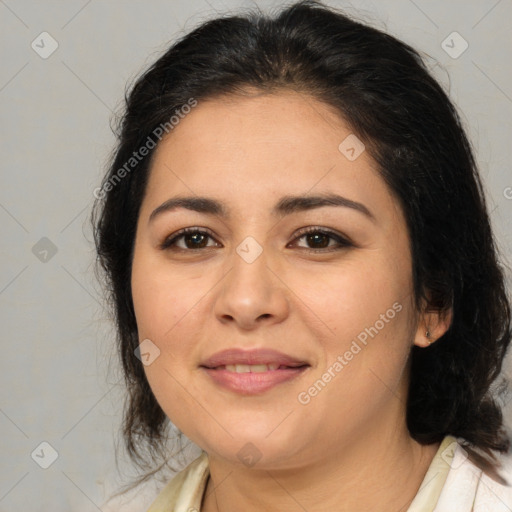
(163, 298)
(363, 315)
(345, 300)
(169, 310)
(364, 367)
(168, 313)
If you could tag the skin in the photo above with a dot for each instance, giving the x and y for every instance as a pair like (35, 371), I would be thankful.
(341, 450)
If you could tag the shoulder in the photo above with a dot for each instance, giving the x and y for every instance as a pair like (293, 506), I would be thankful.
(469, 488)
(186, 489)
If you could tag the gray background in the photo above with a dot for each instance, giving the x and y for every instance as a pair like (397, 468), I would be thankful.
(57, 344)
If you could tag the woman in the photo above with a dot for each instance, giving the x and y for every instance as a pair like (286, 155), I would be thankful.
(304, 276)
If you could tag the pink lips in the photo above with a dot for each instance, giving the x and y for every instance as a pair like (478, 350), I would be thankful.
(248, 383)
(257, 356)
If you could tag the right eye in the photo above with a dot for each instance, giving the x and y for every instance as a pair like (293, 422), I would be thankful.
(193, 239)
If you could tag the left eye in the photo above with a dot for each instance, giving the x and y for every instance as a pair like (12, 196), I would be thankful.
(321, 238)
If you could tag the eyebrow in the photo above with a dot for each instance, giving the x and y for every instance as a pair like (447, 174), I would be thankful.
(285, 206)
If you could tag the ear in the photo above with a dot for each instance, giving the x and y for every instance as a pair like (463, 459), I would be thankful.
(434, 323)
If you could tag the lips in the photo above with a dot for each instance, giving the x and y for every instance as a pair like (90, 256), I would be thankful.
(231, 358)
(252, 372)
(253, 368)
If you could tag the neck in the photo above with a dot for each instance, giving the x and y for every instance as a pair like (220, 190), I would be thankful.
(358, 477)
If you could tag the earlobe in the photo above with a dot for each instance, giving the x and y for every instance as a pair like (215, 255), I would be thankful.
(432, 326)
(424, 338)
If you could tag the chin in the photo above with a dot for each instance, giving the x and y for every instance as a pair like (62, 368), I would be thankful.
(255, 448)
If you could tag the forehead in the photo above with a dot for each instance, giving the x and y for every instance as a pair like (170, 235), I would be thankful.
(264, 145)
(261, 123)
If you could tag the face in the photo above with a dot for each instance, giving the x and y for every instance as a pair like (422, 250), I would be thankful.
(329, 285)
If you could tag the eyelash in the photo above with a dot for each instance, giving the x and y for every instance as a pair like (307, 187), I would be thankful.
(343, 242)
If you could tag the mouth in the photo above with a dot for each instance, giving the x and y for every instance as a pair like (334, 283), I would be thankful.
(251, 360)
(255, 368)
(252, 372)
(247, 382)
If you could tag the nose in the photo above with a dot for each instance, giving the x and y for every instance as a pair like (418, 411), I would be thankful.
(251, 294)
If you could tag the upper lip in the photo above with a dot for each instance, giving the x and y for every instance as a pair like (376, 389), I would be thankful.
(234, 356)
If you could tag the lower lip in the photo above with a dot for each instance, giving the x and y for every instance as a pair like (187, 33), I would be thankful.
(250, 383)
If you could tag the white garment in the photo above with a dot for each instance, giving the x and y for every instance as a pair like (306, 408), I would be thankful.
(467, 488)
(452, 484)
